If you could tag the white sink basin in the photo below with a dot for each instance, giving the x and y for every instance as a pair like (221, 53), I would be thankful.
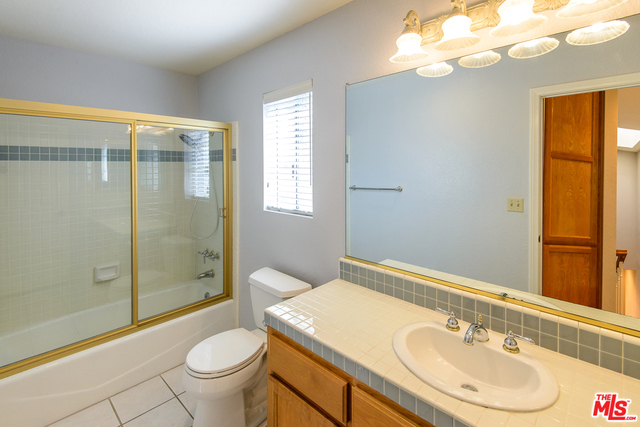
(437, 356)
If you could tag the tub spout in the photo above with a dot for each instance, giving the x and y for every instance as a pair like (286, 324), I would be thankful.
(209, 273)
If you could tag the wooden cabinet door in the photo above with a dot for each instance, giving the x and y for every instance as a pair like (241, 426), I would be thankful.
(370, 412)
(312, 380)
(287, 409)
(572, 199)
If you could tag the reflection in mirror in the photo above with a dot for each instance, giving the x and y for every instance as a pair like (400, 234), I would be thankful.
(468, 154)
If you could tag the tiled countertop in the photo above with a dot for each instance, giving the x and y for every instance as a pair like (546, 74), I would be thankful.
(352, 327)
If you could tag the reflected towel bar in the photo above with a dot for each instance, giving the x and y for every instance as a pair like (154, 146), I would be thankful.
(398, 188)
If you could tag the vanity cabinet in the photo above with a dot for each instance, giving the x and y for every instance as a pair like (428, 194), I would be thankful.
(306, 390)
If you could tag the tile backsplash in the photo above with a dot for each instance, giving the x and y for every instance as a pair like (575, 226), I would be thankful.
(598, 346)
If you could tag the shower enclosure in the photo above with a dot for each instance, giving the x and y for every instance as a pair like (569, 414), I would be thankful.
(109, 222)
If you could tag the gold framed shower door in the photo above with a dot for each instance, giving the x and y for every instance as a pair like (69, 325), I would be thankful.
(28, 108)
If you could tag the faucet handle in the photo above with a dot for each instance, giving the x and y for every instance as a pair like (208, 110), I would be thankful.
(511, 345)
(452, 323)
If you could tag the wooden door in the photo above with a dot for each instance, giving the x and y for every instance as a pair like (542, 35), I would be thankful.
(572, 198)
(287, 409)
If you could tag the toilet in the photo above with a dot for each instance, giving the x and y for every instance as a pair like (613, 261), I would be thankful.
(227, 373)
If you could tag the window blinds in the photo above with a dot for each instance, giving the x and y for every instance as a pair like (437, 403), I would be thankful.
(196, 166)
(287, 150)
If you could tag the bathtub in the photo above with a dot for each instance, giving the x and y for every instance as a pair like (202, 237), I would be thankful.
(56, 333)
(70, 384)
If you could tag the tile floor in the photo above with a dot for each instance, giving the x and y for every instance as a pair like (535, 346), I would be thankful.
(158, 402)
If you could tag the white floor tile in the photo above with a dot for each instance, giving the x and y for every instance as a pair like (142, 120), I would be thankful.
(98, 415)
(173, 377)
(169, 414)
(189, 403)
(141, 398)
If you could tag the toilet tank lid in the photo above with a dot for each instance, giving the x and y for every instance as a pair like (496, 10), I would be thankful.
(278, 284)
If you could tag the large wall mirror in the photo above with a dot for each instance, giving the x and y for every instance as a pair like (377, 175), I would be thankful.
(468, 151)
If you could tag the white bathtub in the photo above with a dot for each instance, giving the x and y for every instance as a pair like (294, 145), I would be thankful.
(67, 385)
(88, 323)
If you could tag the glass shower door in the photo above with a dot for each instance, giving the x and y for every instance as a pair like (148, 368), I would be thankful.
(180, 230)
(65, 232)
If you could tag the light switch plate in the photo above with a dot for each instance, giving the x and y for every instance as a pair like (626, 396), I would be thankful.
(515, 204)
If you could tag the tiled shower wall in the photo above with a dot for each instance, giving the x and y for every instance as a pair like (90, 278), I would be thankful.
(65, 207)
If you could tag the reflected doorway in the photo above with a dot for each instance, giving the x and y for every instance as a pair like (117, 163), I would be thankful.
(590, 199)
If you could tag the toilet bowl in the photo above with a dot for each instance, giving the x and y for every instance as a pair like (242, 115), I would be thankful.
(227, 372)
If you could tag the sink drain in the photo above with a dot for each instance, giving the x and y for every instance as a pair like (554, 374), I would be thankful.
(469, 387)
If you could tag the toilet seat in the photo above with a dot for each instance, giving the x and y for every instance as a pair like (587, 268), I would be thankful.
(224, 354)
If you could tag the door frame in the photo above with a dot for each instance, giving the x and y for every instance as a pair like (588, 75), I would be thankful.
(536, 156)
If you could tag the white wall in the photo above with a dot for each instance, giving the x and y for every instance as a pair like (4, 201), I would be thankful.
(348, 45)
(627, 207)
(39, 72)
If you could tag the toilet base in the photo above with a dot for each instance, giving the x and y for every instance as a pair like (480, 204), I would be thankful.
(225, 412)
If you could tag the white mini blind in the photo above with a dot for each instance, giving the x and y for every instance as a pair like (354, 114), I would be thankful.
(196, 165)
(287, 133)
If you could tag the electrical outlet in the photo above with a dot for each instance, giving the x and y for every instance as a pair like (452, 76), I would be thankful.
(515, 204)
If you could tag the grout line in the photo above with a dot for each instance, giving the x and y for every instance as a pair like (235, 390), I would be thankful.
(185, 408)
(146, 412)
(71, 415)
(114, 410)
(168, 386)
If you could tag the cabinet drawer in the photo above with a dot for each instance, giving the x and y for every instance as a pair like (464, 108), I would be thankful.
(370, 412)
(319, 385)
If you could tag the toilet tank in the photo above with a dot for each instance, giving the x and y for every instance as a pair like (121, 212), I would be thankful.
(269, 287)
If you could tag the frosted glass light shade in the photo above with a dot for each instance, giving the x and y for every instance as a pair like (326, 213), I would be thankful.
(479, 60)
(586, 7)
(516, 16)
(438, 69)
(597, 33)
(533, 48)
(409, 48)
(457, 34)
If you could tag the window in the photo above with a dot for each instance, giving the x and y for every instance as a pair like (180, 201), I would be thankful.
(288, 182)
(196, 165)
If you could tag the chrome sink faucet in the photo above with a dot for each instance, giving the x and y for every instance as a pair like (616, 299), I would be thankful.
(477, 332)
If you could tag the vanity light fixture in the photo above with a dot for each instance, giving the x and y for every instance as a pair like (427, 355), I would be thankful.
(410, 41)
(597, 33)
(586, 7)
(517, 16)
(438, 69)
(479, 60)
(533, 48)
(457, 29)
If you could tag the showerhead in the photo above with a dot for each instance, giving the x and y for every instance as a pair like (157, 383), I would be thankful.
(188, 140)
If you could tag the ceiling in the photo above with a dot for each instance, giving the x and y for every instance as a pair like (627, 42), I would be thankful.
(189, 36)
